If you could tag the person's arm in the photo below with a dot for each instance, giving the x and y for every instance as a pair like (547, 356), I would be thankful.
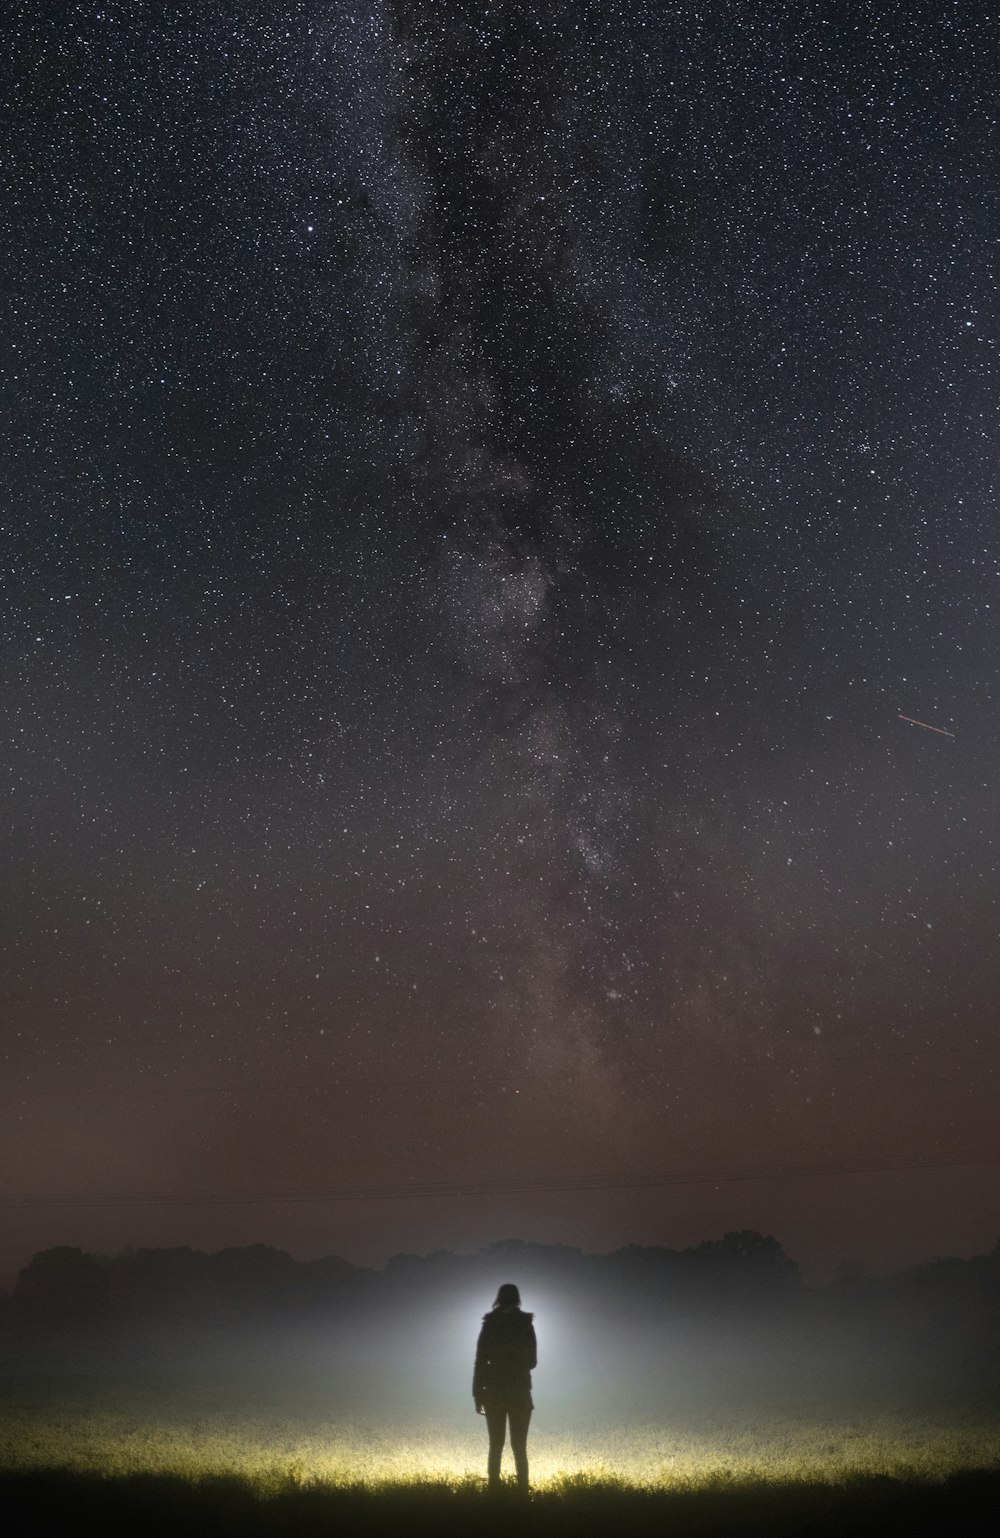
(478, 1372)
(534, 1348)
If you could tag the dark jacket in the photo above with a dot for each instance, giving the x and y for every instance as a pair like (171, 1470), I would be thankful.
(505, 1354)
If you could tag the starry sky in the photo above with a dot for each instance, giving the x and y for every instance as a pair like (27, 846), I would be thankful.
(482, 487)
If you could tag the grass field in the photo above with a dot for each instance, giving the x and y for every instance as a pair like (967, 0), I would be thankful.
(167, 1466)
(295, 1450)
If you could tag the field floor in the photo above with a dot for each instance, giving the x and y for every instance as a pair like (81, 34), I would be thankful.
(168, 1466)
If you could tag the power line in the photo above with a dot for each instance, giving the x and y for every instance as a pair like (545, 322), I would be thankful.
(527, 1186)
(382, 1081)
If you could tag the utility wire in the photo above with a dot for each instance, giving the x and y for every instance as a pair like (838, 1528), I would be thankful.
(527, 1186)
(656, 1075)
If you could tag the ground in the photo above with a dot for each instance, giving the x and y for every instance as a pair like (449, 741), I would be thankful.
(166, 1463)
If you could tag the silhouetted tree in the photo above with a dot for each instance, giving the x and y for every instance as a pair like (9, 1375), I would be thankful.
(64, 1282)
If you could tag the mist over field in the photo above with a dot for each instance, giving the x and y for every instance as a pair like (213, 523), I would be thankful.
(635, 1335)
(706, 1390)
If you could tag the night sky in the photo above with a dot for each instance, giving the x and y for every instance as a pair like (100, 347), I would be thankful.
(481, 486)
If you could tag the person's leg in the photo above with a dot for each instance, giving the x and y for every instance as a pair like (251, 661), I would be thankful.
(496, 1424)
(519, 1419)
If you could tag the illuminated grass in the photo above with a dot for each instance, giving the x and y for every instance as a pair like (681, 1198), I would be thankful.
(280, 1453)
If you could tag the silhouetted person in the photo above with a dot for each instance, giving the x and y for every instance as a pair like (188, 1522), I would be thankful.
(501, 1381)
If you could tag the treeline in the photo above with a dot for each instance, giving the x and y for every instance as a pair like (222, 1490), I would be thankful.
(740, 1270)
(69, 1283)
(732, 1312)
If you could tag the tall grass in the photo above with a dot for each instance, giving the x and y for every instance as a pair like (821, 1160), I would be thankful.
(272, 1452)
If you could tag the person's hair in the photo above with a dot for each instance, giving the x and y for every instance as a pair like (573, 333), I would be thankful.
(507, 1296)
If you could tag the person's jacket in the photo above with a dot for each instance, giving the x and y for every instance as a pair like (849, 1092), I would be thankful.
(505, 1354)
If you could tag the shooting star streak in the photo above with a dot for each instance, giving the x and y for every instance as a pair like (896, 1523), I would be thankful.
(914, 722)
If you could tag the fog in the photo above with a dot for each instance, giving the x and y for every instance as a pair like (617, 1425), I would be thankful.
(632, 1336)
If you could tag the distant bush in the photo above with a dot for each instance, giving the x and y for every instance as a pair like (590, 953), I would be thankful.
(68, 1283)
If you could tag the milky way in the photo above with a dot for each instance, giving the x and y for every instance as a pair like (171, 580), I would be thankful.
(486, 490)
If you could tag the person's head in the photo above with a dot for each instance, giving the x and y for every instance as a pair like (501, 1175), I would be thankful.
(507, 1297)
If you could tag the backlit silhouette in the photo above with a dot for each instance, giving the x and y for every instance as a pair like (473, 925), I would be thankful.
(506, 1352)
